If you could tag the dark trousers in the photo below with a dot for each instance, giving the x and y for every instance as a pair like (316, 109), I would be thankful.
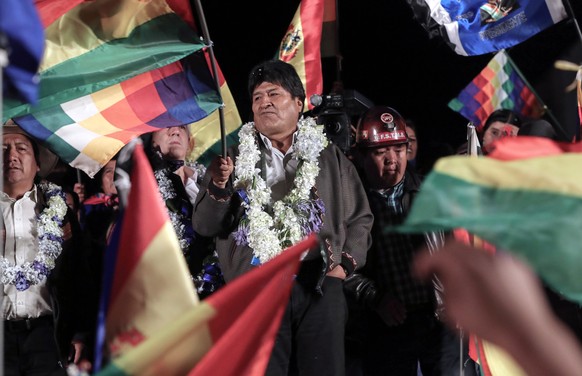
(310, 340)
(31, 352)
(398, 350)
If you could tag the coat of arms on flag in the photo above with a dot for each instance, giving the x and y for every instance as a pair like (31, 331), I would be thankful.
(476, 27)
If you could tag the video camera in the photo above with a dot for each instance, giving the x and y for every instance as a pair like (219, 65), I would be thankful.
(337, 113)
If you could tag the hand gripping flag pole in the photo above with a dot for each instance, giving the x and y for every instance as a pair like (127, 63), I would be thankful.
(208, 42)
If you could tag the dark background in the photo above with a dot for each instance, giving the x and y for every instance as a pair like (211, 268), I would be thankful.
(388, 58)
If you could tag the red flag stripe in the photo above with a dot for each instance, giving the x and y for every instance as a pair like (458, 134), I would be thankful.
(311, 23)
(145, 212)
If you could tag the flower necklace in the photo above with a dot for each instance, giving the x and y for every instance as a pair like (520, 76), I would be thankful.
(294, 216)
(50, 242)
(178, 215)
(210, 277)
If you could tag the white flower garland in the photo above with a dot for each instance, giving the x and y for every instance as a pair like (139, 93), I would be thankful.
(168, 192)
(50, 243)
(269, 234)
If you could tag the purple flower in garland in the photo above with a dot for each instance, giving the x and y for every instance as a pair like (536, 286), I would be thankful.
(52, 237)
(41, 268)
(57, 220)
(21, 282)
(49, 242)
(311, 216)
(241, 234)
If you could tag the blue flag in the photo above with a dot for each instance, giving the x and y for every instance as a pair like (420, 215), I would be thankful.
(476, 27)
(22, 37)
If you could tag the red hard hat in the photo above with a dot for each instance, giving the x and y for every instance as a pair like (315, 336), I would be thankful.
(381, 126)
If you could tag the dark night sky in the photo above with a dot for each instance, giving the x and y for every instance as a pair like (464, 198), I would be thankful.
(389, 59)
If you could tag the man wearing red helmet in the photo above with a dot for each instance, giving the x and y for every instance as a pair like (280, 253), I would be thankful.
(399, 312)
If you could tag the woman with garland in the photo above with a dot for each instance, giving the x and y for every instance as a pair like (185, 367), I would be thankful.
(43, 267)
(290, 182)
(178, 182)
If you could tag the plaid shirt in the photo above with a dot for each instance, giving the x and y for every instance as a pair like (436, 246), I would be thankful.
(390, 258)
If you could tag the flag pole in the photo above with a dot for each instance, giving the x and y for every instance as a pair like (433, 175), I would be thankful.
(546, 108)
(3, 65)
(572, 15)
(338, 55)
(214, 67)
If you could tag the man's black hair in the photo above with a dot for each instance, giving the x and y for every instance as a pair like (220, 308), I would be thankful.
(504, 116)
(277, 72)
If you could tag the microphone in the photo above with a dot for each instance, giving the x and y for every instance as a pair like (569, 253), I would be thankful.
(316, 100)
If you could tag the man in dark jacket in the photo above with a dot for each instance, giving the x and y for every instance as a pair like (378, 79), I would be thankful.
(289, 183)
(402, 328)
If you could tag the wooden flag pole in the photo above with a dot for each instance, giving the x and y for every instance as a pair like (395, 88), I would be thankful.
(214, 66)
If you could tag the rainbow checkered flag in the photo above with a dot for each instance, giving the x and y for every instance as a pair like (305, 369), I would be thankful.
(112, 71)
(500, 85)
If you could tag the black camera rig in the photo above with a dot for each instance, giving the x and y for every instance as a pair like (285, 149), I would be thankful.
(338, 112)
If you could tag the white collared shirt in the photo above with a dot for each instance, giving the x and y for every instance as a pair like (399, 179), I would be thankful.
(192, 187)
(20, 246)
(281, 168)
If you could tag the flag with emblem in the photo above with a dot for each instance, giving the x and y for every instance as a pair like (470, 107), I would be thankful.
(146, 282)
(476, 27)
(231, 333)
(112, 71)
(301, 46)
(499, 85)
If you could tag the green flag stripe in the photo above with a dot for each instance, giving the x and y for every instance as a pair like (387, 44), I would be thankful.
(542, 227)
(112, 369)
(151, 45)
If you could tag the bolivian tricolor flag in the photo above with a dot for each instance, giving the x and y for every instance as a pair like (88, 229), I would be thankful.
(301, 46)
(113, 70)
(146, 282)
(230, 333)
(528, 202)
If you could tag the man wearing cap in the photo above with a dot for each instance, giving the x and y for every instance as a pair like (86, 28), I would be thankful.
(42, 297)
(399, 311)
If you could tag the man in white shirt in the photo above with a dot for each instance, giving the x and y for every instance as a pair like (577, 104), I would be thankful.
(41, 299)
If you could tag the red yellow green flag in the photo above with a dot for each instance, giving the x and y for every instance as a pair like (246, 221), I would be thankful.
(146, 282)
(230, 333)
(525, 198)
(113, 70)
(301, 46)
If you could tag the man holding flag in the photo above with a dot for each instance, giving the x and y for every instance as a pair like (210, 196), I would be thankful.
(304, 185)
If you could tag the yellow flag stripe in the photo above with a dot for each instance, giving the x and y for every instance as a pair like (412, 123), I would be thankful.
(187, 338)
(118, 19)
(149, 282)
(558, 174)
